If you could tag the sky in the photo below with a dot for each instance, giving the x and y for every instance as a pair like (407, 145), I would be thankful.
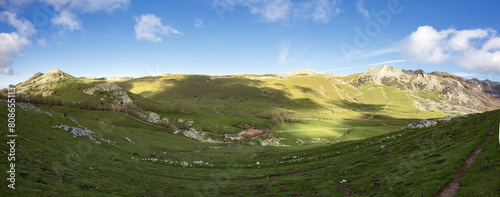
(95, 38)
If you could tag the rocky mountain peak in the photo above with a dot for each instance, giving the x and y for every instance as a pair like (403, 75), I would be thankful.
(384, 71)
(55, 70)
(298, 72)
(43, 83)
(380, 75)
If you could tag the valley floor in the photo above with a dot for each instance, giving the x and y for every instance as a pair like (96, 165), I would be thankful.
(137, 159)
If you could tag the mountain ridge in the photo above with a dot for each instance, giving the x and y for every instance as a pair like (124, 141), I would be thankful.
(436, 91)
(457, 92)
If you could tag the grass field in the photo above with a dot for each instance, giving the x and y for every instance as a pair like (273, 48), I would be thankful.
(51, 162)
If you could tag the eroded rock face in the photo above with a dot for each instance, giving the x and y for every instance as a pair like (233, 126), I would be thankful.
(113, 92)
(452, 93)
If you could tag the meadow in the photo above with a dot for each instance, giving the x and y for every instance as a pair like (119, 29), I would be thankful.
(387, 162)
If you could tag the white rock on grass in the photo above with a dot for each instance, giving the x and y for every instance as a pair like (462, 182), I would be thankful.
(129, 140)
(422, 124)
(82, 132)
(200, 136)
(271, 142)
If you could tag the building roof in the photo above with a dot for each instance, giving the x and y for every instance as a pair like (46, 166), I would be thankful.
(253, 131)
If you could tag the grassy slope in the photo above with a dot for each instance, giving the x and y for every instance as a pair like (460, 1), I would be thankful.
(482, 179)
(220, 102)
(312, 102)
(303, 96)
(417, 163)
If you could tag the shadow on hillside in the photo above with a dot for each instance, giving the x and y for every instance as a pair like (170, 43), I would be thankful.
(494, 92)
(304, 89)
(221, 93)
(357, 106)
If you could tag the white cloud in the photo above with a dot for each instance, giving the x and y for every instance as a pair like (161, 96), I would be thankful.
(11, 46)
(284, 52)
(149, 27)
(88, 5)
(67, 20)
(461, 39)
(68, 9)
(324, 10)
(361, 9)
(198, 23)
(476, 49)
(283, 10)
(427, 45)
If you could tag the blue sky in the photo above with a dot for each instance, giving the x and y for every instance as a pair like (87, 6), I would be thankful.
(137, 38)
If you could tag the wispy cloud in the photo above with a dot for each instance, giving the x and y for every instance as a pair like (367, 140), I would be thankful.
(198, 23)
(476, 49)
(149, 27)
(23, 27)
(88, 6)
(68, 9)
(67, 20)
(282, 57)
(387, 62)
(282, 11)
(362, 10)
(42, 42)
(271, 11)
(319, 11)
(462, 74)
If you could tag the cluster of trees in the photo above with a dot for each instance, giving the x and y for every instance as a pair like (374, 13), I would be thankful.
(167, 108)
(52, 101)
(38, 99)
(276, 119)
(138, 109)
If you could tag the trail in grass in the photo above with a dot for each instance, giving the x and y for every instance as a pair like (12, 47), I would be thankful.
(451, 188)
(283, 131)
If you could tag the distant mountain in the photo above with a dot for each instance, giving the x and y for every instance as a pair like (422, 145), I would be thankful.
(45, 83)
(63, 86)
(452, 93)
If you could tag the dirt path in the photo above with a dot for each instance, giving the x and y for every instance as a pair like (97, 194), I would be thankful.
(283, 131)
(451, 188)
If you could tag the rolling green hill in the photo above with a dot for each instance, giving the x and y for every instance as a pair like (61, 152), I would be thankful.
(323, 134)
(316, 105)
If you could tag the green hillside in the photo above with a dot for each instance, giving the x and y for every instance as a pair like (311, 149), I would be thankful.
(133, 158)
(310, 96)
